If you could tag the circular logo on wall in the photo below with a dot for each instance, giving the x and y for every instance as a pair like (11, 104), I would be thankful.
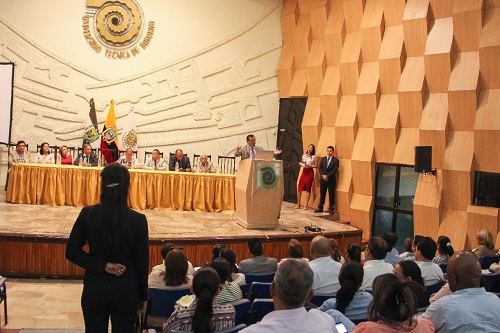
(118, 27)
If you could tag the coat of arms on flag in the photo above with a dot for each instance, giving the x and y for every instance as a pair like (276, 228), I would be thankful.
(129, 136)
(109, 135)
(90, 135)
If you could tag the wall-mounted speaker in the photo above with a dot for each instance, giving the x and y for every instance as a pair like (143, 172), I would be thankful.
(423, 159)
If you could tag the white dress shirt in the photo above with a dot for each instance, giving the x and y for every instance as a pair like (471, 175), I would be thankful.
(374, 268)
(431, 272)
(326, 275)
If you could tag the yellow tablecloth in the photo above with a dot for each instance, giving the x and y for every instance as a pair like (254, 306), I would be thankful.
(58, 185)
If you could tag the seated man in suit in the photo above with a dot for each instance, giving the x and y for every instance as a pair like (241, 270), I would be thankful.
(179, 162)
(259, 264)
(291, 288)
(87, 158)
(328, 167)
(156, 162)
(469, 308)
(204, 165)
(250, 150)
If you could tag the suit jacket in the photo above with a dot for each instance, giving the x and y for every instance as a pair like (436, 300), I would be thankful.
(245, 152)
(93, 159)
(14, 157)
(184, 163)
(259, 265)
(329, 171)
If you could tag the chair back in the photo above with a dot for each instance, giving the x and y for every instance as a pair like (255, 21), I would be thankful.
(443, 267)
(227, 164)
(147, 155)
(486, 261)
(244, 289)
(249, 278)
(161, 302)
(261, 307)
(102, 157)
(259, 290)
(491, 282)
(196, 158)
(241, 307)
(434, 288)
(79, 151)
(319, 299)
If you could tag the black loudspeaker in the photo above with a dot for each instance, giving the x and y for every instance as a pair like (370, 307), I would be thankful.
(423, 159)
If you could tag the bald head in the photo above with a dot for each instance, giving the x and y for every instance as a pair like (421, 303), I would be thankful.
(320, 247)
(464, 271)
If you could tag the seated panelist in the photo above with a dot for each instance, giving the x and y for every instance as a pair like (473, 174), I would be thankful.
(128, 160)
(179, 162)
(44, 156)
(156, 162)
(64, 157)
(20, 155)
(204, 165)
(87, 158)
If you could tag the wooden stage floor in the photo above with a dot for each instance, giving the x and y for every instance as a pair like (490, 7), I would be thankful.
(196, 232)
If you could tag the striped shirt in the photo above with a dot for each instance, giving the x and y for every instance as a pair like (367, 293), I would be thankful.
(230, 292)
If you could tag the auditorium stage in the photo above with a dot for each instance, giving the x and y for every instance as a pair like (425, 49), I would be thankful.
(33, 237)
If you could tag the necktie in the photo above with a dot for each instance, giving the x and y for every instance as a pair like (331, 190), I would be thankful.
(328, 163)
(252, 153)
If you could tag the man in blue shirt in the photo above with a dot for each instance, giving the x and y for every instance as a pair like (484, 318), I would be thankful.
(470, 308)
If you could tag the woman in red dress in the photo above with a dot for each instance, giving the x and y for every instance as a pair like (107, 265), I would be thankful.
(307, 177)
(64, 157)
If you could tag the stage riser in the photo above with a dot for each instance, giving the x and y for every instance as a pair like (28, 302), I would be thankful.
(45, 257)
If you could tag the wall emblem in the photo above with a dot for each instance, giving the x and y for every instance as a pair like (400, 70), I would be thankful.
(118, 27)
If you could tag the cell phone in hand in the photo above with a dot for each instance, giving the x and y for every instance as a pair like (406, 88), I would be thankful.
(341, 328)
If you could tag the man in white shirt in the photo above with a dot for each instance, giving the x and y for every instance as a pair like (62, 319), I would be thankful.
(156, 162)
(375, 253)
(325, 269)
(290, 289)
(392, 256)
(431, 272)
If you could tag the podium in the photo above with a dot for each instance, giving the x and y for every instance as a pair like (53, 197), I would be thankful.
(259, 193)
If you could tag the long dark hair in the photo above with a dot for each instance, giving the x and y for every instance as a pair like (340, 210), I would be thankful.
(41, 147)
(444, 246)
(350, 279)
(115, 182)
(334, 253)
(393, 299)
(354, 252)
(205, 285)
(176, 268)
(313, 151)
(230, 256)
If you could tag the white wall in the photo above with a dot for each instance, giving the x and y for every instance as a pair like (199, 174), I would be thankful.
(207, 78)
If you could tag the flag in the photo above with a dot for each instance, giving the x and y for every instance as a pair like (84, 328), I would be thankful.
(129, 136)
(109, 138)
(91, 131)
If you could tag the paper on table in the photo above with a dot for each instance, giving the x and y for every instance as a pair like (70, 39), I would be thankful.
(185, 300)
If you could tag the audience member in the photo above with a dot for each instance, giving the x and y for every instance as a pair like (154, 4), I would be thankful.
(216, 251)
(393, 306)
(408, 270)
(164, 251)
(230, 256)
(229, 291)
(445, 250)
(295, 251)
(469, 308)
(259, 264)
(349, 300)
(87, 158)
(325, 269)
(204, 315)
(444, 291)
(408, 254)
(156, 162)
(44, 156)
(179, 162)
(204, 165)
(117, 261)
(335, 252)
(353, 253)
(485, 242)
(64, 157)
(392, 257)
(291, 288)
(431, 272)
(375, 253)
(128, 160)
(20, 155)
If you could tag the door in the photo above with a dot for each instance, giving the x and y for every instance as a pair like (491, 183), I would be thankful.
(395, 190)
(290, 142)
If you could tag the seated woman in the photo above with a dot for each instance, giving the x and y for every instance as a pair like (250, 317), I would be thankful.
(485, 242)
(128, 160)
(216, 251)
(204, 314)
(408, 254)
(393, 306)
(64, 157)
(410, 271)
(445, 250)
(174, 277)
(44, 156)
(349, 300)
(353, 253)
(230, 291)
(230, 256)
(295, 251)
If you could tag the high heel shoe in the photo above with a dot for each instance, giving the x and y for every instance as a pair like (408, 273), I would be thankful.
(297, 206)
(306, 207)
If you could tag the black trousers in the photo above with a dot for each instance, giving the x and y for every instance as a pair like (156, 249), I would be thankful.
(108, 296)
(323, 187)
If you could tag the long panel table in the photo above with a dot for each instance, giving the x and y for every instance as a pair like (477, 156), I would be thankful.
(56, 185)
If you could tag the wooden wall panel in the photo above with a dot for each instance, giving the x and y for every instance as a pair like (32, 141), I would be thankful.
(405, 148)
(316, 67)
(438, 52)
(489, 49)
(433, 127)
(372, 30)
(427, 207)
(361, 211)
(350, 63)
(393, 12)
(416, 24)
(412, 92)
(487, 132)
(311, 123)
(363, 167)
(335, 32)
(298, 87)
(467, 24)
(330, 96)
(479, 218)
(344, 190)
(386, 128)
(454, 225)
(353, 13)
(391, 60)
(368, 94)
(442, 8)
(346, 126)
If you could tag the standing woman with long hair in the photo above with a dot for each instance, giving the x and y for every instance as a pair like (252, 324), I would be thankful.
(308, 164)
(117, 262)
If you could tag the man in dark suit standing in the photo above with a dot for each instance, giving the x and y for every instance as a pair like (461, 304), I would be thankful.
(179, 162)
(328, 167)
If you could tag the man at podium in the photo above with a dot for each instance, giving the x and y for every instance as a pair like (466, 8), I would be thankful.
(250, 150)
